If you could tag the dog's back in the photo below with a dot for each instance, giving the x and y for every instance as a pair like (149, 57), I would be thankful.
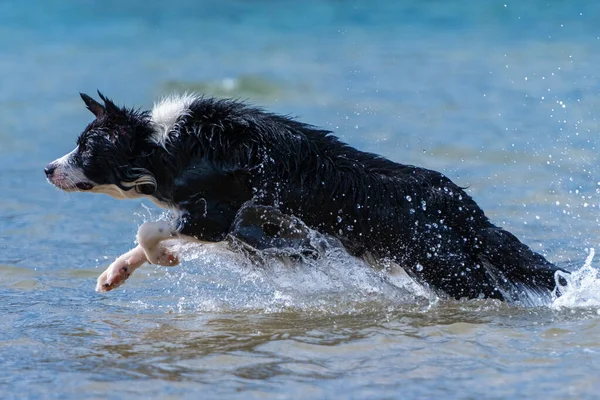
(416, 217)
(413, 216)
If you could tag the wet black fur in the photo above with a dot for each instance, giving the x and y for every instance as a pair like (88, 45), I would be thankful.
(225, 154)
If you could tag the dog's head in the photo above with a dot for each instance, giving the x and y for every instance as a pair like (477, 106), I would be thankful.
(108, 154)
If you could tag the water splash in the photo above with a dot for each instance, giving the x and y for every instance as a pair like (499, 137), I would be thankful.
(214, 278)
(582, 289)
(217, 279)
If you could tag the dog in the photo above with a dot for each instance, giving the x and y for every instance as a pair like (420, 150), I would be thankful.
(226, 169)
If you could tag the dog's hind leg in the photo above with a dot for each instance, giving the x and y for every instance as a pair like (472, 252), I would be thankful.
(266, 228)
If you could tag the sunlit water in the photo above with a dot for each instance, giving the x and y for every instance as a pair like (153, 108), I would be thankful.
(502, 97)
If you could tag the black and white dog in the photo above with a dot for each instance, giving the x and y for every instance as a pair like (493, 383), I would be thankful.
(226, 168)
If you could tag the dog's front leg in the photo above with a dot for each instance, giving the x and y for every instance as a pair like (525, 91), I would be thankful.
(150, 235)
(121, 269)
(150, 249)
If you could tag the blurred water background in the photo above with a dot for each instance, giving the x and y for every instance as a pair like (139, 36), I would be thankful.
(501, 96)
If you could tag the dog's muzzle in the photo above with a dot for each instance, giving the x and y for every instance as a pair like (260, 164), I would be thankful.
(68, 178)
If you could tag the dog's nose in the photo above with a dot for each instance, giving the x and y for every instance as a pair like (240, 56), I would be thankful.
(49, 170)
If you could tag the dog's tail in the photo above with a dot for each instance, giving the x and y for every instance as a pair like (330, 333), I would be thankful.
(517, 271)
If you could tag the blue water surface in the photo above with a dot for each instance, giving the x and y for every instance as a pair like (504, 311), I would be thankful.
(501, 96)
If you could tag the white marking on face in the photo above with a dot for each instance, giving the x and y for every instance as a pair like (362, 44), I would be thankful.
(66, 175)
(117, 193)
(167, 112)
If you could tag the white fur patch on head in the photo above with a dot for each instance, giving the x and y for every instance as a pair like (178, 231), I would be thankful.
(167, 113)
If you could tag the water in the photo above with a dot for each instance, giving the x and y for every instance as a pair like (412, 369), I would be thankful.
(501, 96)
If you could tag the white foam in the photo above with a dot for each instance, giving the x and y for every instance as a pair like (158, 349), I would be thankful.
(216, 279)
(582, 289)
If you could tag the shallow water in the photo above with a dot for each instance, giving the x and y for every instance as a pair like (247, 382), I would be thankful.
(500, 96)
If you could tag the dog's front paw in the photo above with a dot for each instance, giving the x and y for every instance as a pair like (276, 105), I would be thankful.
(112, 278)
(121, 269)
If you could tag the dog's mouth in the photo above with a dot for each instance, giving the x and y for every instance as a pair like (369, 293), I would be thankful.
(69, 186)
(84, 186)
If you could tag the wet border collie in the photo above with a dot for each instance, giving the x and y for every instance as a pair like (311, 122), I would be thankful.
(226, 168)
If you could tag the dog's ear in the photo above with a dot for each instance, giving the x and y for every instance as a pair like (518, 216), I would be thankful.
(111, 108)
(96, 108)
